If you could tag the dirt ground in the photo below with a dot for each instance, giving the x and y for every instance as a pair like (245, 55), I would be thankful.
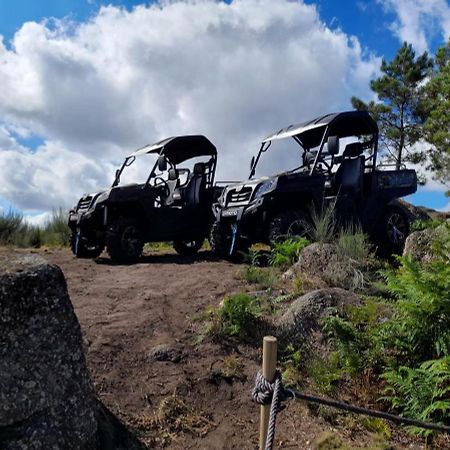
(125, 311)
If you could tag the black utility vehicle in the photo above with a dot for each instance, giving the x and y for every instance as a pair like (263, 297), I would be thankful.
(173, 203)
(361, 192)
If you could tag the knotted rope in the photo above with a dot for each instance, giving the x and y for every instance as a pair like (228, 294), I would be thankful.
(265, 393)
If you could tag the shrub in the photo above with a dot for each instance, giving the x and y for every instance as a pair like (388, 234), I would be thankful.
(286, 252)
(239, 311)
(421, 393)
(10, 224)
(323, 224)
(354, 244)
(420, 328)
(265, 278)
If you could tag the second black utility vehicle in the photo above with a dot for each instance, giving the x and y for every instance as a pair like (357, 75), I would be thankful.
(171, 203)
(336, 167)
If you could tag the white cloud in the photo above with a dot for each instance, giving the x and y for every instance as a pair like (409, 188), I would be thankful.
(96, 90)
(419, 21)
(39, 220)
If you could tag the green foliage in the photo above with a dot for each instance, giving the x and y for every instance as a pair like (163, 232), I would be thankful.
(354, 244)
(421, 393)
(419, 225)
(11, 223)
(420, 328)
(263, 277)
(323, 224)
(437, 124)
(239, 311)
(325, 373)
(358, 342)
(285, 253)
(400, 110)
(15, 231)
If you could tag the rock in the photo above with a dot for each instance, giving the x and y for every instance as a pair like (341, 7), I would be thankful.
(419, 244)
(46, 397)
(322, 265)
(300, 324)
(164, 352)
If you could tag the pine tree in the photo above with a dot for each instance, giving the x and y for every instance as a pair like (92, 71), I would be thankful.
(437, 125)
(400, 111)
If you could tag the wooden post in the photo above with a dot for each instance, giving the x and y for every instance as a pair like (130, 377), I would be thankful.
(269, 365)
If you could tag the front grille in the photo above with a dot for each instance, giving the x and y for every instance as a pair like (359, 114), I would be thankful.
(84, 203)
(241, 196)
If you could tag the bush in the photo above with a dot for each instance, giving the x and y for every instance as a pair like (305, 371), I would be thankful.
(265, 278)
(323, 224)
(422, 393)
(10, 224)
(238, 312)
(15, 231)
(285, 253)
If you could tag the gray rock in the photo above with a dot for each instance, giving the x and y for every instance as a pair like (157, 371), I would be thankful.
(46, 397)
(322, 265)
(301, 323)
(419, 244)
(164, 352)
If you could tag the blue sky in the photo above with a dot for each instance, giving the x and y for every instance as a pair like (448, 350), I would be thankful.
(378, 25)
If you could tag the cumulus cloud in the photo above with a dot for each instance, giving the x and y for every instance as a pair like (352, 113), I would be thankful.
(96, 90)
(420, 21)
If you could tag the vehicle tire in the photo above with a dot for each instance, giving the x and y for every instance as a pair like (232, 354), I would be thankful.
(188, 247)
(80, 250)
(396, 227)
(288, 224)
(124, 241)
(220, 240)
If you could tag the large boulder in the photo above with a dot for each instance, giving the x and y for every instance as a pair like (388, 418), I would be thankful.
(323, 265)
(419, 245)
(46, 397)
(301, 324)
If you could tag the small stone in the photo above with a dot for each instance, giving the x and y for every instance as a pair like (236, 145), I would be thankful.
(165, 352)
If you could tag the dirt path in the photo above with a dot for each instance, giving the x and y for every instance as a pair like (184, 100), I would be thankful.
(125, 311)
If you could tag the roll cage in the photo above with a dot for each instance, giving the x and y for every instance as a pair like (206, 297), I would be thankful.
(315, 133)
(176, 150)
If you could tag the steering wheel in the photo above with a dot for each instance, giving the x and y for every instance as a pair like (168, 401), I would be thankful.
(164, 185)
(325, 163)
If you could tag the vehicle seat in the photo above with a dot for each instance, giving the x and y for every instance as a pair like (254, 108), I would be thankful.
(172, 184)
(195, 185)
(348, 179)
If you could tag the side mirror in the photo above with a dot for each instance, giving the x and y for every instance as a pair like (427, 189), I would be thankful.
(333, 145)
(162, 163)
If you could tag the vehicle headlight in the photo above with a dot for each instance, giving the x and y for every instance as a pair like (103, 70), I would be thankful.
(101, 198)
(266, 187)
(222, 197)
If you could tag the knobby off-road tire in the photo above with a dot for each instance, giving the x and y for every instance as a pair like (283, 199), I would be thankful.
(220, 240)
(188, 247)
(80, 250)
(288, 224)
(396, 227)
(124, 241)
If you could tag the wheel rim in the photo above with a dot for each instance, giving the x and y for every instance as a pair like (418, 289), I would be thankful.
(396, 228)
(131, 242)
(190, 244)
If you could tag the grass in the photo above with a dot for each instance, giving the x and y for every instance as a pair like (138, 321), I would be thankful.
(285, 253)
(15, 231)
(264, 277)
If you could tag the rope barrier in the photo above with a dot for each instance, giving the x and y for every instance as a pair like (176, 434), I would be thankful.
(273, 393)
(265, 393)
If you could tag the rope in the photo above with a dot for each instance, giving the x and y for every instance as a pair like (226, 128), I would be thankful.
(265, 393)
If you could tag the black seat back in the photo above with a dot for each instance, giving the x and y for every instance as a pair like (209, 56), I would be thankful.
(195, 185)
(349, 176)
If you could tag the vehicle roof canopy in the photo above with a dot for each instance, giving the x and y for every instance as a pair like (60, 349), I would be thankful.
(343, 124)
(180, 148)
